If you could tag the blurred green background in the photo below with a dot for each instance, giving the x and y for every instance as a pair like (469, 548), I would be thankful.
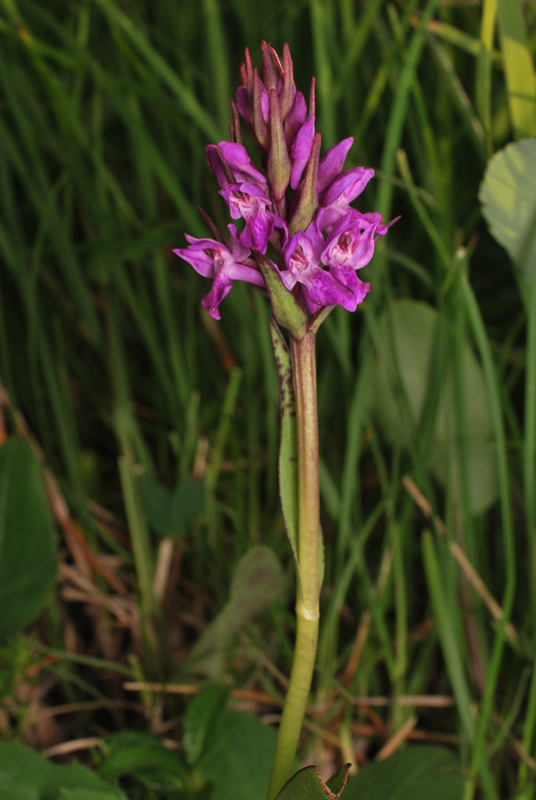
(129, 389)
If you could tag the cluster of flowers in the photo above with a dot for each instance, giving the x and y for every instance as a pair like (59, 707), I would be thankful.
(318, 239)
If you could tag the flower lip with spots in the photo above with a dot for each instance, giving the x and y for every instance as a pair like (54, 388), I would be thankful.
(320, 288)
(351, 241)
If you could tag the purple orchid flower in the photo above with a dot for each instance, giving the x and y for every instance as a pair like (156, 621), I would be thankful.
(330, 241)
(215, 260)
(335, 200)
(351, 242)
(339, 286)
(247, 200)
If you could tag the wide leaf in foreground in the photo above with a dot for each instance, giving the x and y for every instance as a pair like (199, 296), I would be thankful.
(308, 784)
(27, 538)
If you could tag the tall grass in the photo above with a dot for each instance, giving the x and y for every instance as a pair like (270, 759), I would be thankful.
(106, 108)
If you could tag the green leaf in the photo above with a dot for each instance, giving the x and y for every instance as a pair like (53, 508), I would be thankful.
(257, 583)
(131, 760)
(508, 197)
(518, 68)
(202, 721)
(447, 630)
(417, 773)
(308, 784)
(413, 326)
(25, 775)
(27, 538)
(288, 446)
(239, 765)
(171, 512)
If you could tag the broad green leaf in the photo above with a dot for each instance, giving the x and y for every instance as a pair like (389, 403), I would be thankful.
(202, 721)
(170, 512)
(288, 448)
(307, 783)
(26, 775)
(508, 197)
(27, 538)
(413, 328)
(417, 773)
(129, 760)
(239, 765)
(257, 583)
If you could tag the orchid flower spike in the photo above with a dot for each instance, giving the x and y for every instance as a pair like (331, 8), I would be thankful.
(293, 208)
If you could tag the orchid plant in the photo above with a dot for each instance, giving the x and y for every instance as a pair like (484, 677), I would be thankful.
(301, 243)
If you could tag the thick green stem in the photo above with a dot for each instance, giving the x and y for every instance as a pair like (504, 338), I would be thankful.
(307, 605)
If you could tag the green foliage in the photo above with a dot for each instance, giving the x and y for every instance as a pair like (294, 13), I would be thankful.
(508, 197)
(417, 773)
(170, 513)
(307, 783)
(27, 539)
(257, 583)
(413, 328)
(238, 766)
(106, 108)
(202, 722)
(25, 775)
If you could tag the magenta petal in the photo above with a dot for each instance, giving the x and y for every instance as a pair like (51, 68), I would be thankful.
(335, 200)
(333, 162)
(215, 164)
(239, 250)
(359, 289)
(295, 118)
(301, 150)
(325, 290)
(265, 101)
(348, 185)
(259, 228)
(203, 255)
(220, 289)
(240, 272)
(288, 279)
(242, 103)
(237, 157)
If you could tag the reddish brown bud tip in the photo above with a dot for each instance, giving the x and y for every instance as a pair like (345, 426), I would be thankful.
(237, 134)
(312, 98)
(288, 90)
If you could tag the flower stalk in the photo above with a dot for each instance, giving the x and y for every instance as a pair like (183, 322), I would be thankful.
(308, 586)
